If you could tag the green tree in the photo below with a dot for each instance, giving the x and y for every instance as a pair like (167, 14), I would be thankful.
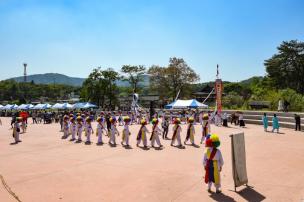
(168, 81)
(133, 74)
(111, 77)
(286, 68)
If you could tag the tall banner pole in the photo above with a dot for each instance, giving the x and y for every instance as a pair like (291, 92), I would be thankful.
(218, 91)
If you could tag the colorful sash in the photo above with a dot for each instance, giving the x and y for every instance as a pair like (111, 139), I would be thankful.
(212, 172)
(175, 132)
(153, 131)
(189, 131)
(139, 133)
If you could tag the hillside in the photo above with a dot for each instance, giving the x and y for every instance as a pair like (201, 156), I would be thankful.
(50, 78)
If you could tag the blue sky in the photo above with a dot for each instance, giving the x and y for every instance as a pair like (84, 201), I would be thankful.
(74, 36)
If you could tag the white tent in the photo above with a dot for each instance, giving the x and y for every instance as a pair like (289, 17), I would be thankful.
(37, 106)
(7, 107)
(66, 106)
(10, 107)
(42, 106)
(181, 104)
(25, 106)
(62, 106)
(57, 106)
(89, 105)
(1, 106)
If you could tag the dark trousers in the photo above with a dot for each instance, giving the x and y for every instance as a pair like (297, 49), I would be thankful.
(298, 126)
(34, 120)
(165, 133)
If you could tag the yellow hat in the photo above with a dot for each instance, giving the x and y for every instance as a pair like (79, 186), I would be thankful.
(191, 120)
(143, 122)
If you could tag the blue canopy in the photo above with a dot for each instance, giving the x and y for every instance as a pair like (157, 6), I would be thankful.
(169, 106)
(181, 104)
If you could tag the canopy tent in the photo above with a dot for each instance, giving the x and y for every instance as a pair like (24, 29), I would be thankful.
(1, 106)
(79, 105)
(169, 106)
(57, 106)
(6, 107)
(25, 106)
(84, 105)
(42, 106)
(89, 105)
(180, 104)
(62, 106)
(66, 106)
(10, 107)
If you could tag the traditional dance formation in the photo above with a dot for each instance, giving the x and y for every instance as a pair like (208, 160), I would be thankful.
(107, 126)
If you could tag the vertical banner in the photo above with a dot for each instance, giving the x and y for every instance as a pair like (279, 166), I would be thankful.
(238, 152)
(218, 93)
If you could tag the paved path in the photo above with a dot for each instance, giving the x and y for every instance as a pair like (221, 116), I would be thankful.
(46, 168)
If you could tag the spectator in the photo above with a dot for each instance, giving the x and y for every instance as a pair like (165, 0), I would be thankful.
(34, 117)
(275, 123)
(265, 122)
(298, 122)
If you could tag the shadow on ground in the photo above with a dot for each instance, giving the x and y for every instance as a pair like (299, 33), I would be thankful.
(249, 194)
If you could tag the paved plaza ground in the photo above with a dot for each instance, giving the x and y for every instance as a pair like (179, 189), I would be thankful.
(43, 167)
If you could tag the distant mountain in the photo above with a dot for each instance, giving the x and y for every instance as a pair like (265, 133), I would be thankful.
(250, 80)
(50, 78)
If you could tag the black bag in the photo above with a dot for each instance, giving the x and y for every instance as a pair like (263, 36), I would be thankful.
(18, 130)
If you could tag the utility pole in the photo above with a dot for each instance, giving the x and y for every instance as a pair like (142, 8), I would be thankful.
(24, 74)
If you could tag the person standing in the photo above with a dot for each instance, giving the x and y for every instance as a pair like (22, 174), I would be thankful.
(176, 133)
(79, 127)
(66, 127)
(265, 122)
(190, 131)
(108, 122)
(225, 119)
(165, 126)
(142, 133)
(156, 131)
(100, 129)
(16, 129)
(275, 123)
(241, 120)
(73, 127)
(205, 127)
(126, 132)
(88, 129)
(34, 117)
(113, 131)
(213, 162)
(298, 122)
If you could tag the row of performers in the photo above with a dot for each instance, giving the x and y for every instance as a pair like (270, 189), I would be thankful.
(76, 126)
